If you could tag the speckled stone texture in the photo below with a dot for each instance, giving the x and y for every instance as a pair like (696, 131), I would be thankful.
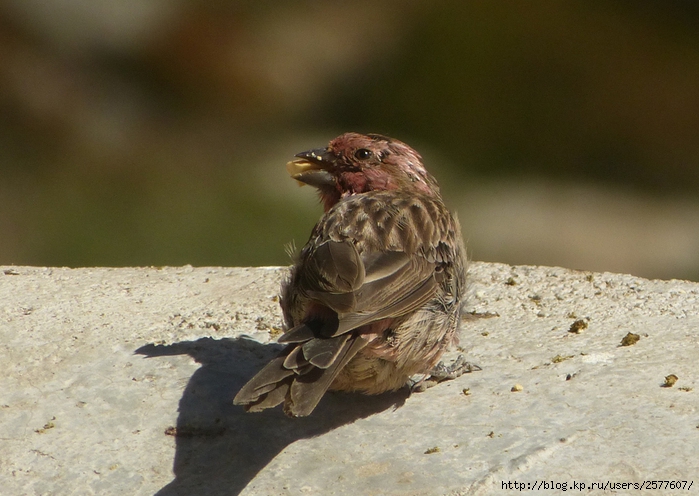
(120, 381)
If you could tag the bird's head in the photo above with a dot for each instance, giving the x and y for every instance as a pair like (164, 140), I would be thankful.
(355, 163)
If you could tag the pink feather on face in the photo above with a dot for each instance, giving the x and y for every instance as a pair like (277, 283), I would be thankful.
(361, 163)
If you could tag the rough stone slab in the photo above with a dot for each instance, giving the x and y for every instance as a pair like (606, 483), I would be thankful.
(119, 381)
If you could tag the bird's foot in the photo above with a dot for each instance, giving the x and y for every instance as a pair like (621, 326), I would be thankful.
(441, 373)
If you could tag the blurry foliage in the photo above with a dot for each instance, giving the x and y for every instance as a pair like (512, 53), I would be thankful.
(167, 145)
(154, 216)
(577, 90)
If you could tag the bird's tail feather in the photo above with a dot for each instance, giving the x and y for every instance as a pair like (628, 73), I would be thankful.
(300, 375)
(306, 390)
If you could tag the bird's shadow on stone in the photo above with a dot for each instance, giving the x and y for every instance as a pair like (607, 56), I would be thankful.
(219, 447)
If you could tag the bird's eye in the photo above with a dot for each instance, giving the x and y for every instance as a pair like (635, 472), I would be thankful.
(362, 154)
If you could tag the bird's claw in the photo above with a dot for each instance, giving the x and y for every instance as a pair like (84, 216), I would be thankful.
(457, 368)
(441, 373)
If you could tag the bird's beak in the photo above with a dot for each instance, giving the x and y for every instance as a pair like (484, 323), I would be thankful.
(313, 167)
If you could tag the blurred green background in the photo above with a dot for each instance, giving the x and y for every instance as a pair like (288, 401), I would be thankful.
(156, 132)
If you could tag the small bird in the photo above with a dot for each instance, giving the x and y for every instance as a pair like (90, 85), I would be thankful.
(375, 296)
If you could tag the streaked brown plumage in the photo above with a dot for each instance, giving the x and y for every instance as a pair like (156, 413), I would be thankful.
(375, 295)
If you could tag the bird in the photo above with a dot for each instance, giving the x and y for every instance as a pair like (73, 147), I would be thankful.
(375, 296)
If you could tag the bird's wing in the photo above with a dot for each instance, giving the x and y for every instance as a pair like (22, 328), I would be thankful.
(392, 284)
(375, 257)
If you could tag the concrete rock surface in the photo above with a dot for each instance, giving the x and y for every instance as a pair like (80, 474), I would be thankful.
(120, 381)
